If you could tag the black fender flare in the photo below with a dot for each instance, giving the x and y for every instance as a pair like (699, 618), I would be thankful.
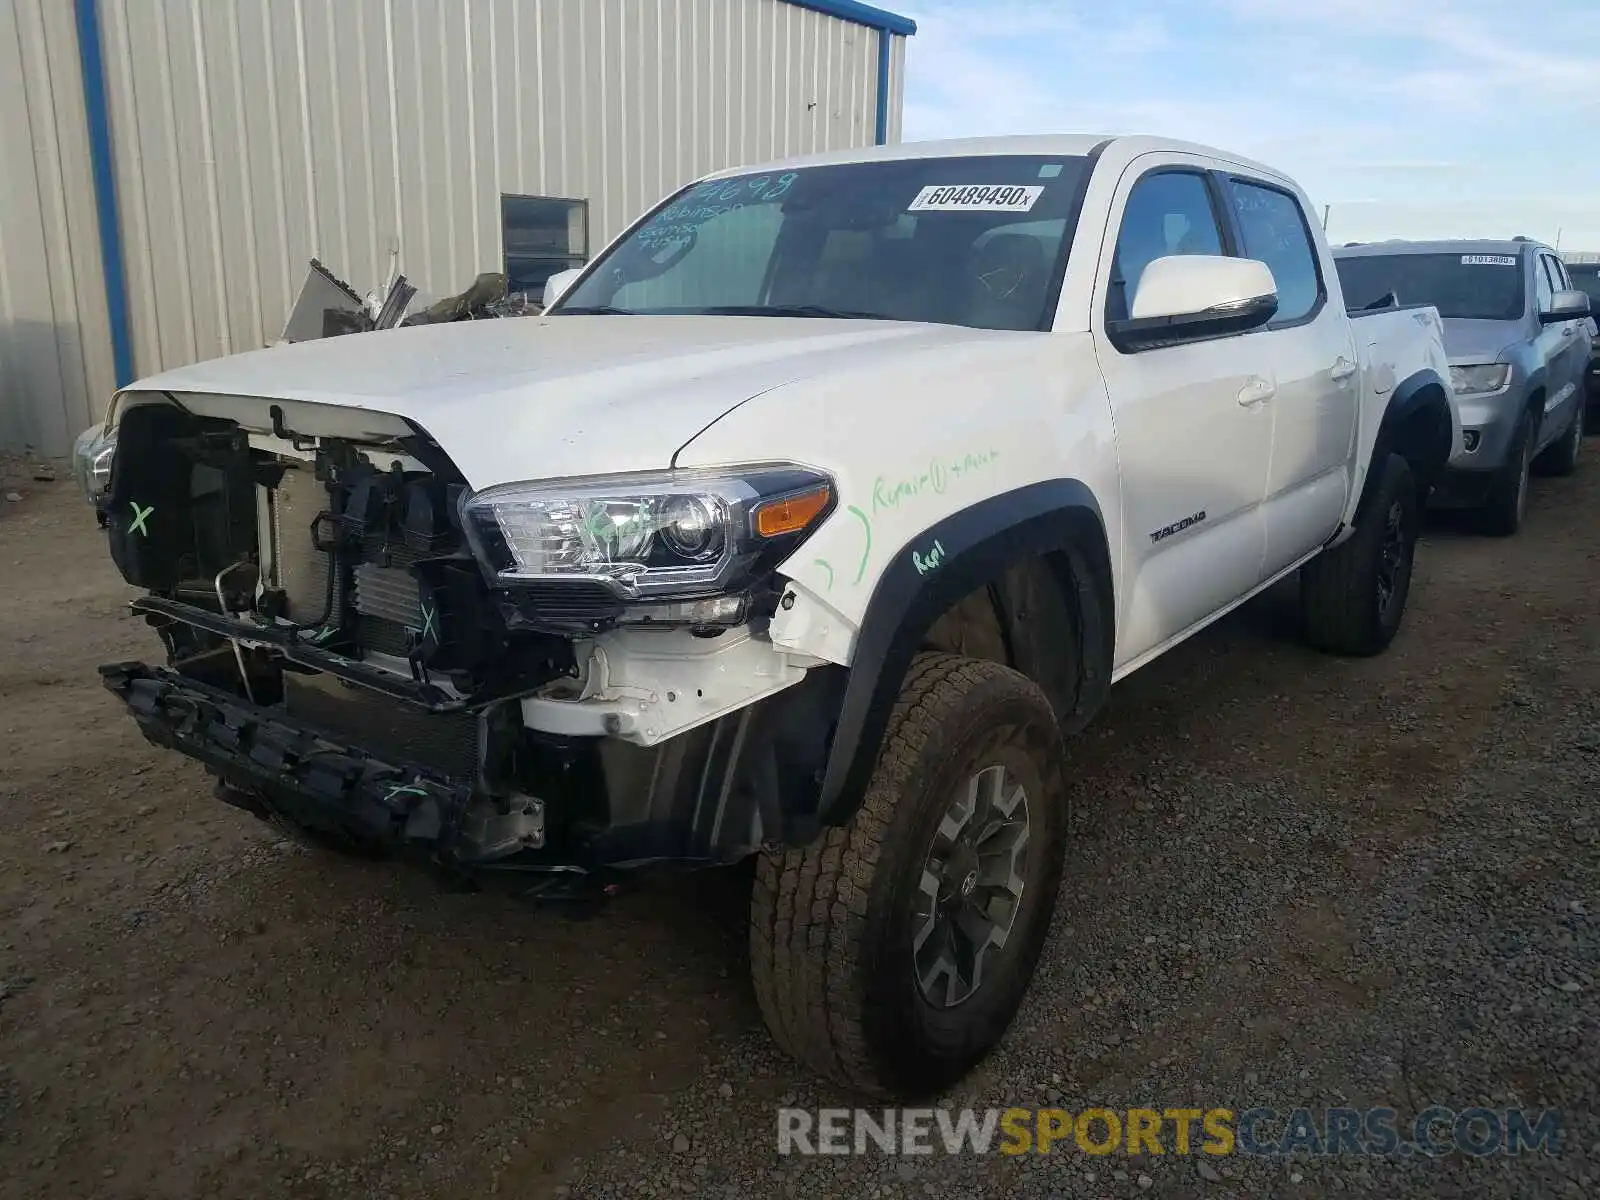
(956, 556)
(1420, 392)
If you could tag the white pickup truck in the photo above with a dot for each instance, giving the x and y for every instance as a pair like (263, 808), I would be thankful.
(811, 524)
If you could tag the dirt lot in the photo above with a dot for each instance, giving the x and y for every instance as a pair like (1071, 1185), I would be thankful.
(1296, 881)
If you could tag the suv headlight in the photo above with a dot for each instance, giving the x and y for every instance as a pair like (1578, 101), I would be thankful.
(663, 535)
(1490, 377)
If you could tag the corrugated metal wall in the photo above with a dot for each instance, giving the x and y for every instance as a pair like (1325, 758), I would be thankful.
(250, 135)
(253, 134)
(55, 342)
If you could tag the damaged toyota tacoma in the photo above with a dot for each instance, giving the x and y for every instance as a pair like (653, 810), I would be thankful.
(810, 524)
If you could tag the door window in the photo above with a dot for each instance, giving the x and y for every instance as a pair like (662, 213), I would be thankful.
(1541, 281)
(1168, 212)
(1273, 228)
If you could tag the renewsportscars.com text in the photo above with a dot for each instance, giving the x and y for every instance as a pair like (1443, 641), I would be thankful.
(1433, 1132)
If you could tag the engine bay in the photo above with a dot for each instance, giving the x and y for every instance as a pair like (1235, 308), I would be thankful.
(313, 550)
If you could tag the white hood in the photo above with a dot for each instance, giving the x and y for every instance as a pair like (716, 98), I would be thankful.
(540, 397)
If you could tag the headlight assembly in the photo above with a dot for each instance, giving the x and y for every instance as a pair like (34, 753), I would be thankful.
(662, 536)
(1490, 377)
(92, 453)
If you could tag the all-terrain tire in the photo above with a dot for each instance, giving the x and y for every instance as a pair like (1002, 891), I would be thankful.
(1562, 457)
(831, 923)
(1346, 605)
(1507, 502)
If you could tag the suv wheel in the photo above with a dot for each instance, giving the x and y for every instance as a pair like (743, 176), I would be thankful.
(1507, 504)
(891, 954)
(1353, 596)
(1562, 458)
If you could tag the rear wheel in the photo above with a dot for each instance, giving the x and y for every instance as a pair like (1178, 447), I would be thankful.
(1562, 458)
(1502, 512)
(892, 954)
(1353, 596)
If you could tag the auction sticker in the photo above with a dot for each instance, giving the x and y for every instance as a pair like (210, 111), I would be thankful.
(1488, 260)
(976, 197)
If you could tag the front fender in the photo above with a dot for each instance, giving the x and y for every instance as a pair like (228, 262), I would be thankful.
(1420, 421)
(1059, 520)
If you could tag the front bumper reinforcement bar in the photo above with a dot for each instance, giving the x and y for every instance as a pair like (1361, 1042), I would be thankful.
(306, 775)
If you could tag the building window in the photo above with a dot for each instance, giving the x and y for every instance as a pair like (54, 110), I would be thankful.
(543, 235)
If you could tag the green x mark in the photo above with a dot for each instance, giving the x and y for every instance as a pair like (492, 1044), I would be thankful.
(428, 626)
(404, 789)
(140, 516)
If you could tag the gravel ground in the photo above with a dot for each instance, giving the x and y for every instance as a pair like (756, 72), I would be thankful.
(1296, 881)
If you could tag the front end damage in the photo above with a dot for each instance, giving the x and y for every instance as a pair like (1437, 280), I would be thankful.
(339, 657)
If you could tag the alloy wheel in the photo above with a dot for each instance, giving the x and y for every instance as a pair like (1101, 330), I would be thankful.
(971, 887)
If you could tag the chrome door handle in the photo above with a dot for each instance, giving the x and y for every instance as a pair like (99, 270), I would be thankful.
(1257, 391)
(1342, 369)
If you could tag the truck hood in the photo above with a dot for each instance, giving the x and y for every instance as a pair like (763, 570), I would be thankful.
(539, 397)
(1468, 341)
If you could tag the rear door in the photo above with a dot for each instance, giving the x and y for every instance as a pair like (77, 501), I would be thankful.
(1193, 421)
(1309, 353)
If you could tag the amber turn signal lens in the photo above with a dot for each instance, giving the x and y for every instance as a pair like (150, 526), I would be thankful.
(792, 513)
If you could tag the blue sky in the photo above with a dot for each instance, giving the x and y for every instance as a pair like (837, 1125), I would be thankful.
(1412, 118)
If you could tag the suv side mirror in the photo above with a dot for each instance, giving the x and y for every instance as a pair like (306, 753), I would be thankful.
(556, 286)
(1185, 297)
(1569, 305)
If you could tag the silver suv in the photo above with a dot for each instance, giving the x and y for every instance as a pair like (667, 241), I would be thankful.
(1518, 335)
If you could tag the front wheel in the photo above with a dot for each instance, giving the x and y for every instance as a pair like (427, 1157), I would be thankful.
(1353, 596)
(1502, 512)
(891, 954)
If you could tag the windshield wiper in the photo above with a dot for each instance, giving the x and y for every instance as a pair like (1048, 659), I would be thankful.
(593, 310)
(791, 310)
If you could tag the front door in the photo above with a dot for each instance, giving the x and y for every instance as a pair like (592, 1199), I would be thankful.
(1567, 353)
(1193, 422)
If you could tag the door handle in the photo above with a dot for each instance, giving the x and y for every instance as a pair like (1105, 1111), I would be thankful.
(1257, 391)
(1342, 369)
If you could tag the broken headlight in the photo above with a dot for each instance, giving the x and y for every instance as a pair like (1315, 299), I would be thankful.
(92, 453)
(659, 536)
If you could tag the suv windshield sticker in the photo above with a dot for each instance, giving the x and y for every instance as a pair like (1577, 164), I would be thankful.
(1488, 260)
(976, 197)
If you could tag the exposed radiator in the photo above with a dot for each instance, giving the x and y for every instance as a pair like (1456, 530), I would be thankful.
(302, 569)
(446, 741)
(391, 593)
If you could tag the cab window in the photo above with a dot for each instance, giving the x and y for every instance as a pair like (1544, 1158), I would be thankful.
(1168, 212)
(1273, 228)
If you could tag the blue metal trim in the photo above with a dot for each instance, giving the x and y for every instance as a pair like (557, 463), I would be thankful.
(861, 14)
(885, 41)
(97, 111)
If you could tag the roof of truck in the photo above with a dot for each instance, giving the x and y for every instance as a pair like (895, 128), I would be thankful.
(1068, 145)
(1439, 246)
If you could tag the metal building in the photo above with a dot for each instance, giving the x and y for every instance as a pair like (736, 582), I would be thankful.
(171, 166)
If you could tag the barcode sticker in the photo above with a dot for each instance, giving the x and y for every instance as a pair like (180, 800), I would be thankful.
(977, 197)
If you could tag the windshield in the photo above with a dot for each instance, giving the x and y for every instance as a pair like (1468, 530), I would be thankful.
(978, 241)
(1586, 278)
(1486, 287)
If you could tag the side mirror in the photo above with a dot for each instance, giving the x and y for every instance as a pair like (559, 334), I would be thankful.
(1571, 305)
(556, 286)
(1184, 297)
